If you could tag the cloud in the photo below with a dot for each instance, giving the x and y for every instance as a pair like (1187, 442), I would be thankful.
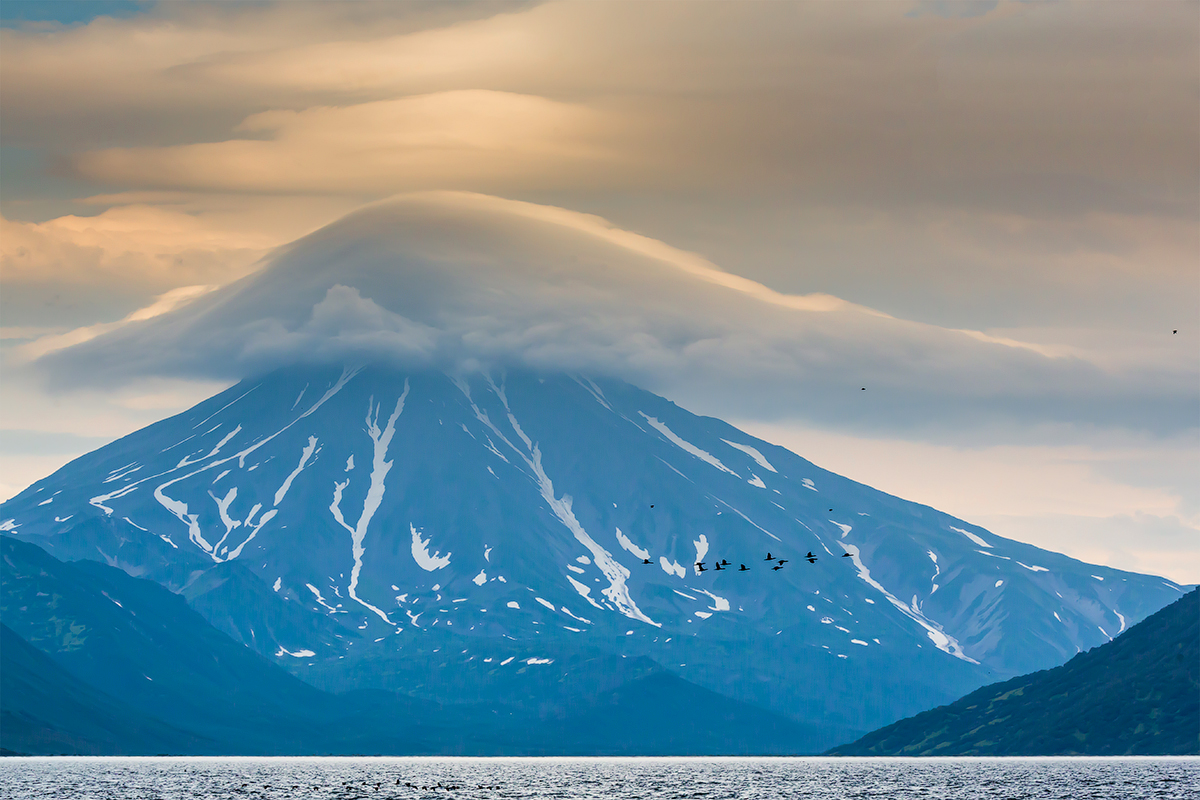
(444, 140)
(1046, 108)
(1027, 168)
(448, 279)
(43, 345)
(79, 270)
(343, 326)
(72, 268)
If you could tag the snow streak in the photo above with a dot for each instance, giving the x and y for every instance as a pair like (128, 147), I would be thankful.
(617, 591)
(687, 446)
(941, 640)
(381, 439)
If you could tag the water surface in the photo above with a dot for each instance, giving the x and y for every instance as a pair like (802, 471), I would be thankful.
(607, 778)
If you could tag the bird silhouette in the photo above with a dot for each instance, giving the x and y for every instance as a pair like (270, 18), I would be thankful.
(743, 568)
(782, 561)
(647, 561)
(652, 505)
(769, 556)
(809, 554)
(700, 567)
(719, 567)
(777, 567)
(846, 555)
(812, 560)
(1174, 332)
(724, 562)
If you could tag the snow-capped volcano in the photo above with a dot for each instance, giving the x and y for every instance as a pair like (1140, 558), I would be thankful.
(469, 518)
(487, 535)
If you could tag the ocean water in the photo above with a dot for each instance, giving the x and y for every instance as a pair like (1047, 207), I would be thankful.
(607, 778)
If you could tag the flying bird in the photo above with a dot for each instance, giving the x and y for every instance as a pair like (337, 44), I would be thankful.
(743, 568)
(647, 561)
(769, 556)
(777, 567)
(719, 567)
(845, 555)
(812, 560)
(782, 561)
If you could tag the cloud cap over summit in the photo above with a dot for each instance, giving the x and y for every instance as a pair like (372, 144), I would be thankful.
(453, 280)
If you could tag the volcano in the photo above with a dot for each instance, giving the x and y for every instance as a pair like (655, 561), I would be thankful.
(436, 477)
(525, 538)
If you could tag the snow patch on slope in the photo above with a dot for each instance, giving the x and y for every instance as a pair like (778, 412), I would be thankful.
(304, 456)
(971, 536)
(420, 551)
(672, 567)
(753, 453)
(631, 547)
(295, 654)
(584, 591)
(687, 446)
(719, 603)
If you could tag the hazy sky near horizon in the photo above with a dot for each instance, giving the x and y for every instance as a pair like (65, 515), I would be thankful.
(1026, 172)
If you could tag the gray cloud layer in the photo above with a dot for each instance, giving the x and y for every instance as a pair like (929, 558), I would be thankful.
(453, 280)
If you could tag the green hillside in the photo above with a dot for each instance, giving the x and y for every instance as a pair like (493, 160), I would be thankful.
(1135, 695)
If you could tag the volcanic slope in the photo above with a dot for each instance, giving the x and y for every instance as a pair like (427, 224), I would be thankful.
(484, 537)
(46, 710)
(1136, 695)
(90, 634)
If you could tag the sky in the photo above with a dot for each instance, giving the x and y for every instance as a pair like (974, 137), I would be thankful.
(940, 248)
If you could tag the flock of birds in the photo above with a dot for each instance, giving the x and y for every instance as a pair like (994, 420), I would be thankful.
(723, 565)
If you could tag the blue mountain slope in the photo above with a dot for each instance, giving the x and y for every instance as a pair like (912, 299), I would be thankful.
(45, 709)
(116, 665)
(467, 537)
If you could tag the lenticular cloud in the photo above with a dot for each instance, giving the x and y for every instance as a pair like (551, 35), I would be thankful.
(458, 281)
